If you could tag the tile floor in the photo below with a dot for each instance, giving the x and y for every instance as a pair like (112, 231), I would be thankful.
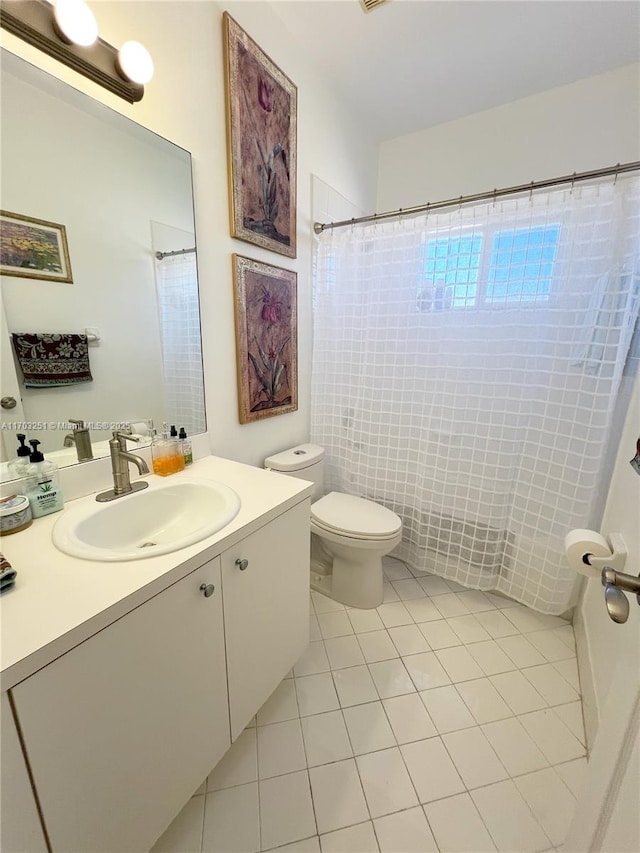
(445, 720)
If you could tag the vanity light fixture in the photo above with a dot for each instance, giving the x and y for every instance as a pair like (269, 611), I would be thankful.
(135, 63)
(75, 22)
(68, 32)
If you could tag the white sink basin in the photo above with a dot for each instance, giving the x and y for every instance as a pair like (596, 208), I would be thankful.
(156, 521)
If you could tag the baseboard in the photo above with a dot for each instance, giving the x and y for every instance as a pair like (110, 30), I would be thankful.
(590, 711)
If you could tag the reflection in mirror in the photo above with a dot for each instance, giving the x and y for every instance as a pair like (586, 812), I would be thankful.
(124, 197)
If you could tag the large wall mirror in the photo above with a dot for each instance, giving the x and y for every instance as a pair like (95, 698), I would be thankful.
(123, 195)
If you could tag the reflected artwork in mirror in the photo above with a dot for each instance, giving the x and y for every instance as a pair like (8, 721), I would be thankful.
(124, 196)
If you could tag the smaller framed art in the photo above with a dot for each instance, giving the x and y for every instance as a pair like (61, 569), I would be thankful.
(33, 248)
(265, 299)
(261, 144)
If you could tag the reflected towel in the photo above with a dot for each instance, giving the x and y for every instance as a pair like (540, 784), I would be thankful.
(49, 359)
(7, 574)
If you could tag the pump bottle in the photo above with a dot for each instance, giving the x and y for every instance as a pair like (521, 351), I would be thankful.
(185, 446)
(19, 465)
(43, 487)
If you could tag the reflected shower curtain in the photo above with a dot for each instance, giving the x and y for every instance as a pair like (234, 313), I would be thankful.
(465, 368)
(179, 314)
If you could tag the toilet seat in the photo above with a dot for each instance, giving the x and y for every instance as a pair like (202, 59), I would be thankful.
(355, 518)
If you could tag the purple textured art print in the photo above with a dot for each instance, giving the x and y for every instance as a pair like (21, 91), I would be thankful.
(266, 339)
(261, 140)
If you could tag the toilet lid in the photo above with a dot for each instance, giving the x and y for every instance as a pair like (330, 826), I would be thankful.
(355, 516)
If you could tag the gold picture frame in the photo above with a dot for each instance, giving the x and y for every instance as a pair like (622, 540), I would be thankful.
(33, 248)
(266, 319)
(261, 144)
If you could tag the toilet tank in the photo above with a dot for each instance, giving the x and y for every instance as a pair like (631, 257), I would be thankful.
(305, 462)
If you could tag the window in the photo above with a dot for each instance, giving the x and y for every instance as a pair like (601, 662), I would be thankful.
(522, 265)
(459, 272)
(451, 272)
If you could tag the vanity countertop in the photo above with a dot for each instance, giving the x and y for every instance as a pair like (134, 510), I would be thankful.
(59, 601)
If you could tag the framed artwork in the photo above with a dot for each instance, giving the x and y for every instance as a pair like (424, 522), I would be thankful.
(33, 248)
(261, 144)
(265, 299)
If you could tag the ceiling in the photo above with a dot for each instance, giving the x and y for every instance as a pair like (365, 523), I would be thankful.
(412, 64)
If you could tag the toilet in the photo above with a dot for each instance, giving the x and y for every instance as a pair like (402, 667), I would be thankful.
(349, 535)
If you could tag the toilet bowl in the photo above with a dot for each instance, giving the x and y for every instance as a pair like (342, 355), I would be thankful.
(349, 535)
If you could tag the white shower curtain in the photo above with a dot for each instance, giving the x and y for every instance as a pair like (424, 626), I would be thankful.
(465, 369)
(179, 314)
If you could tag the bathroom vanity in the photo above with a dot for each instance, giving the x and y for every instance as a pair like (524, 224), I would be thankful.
(124, 683)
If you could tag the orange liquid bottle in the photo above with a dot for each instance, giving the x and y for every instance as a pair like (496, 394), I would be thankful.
(166, 456)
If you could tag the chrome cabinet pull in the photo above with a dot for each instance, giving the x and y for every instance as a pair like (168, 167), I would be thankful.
(207, 589)
(242, 564)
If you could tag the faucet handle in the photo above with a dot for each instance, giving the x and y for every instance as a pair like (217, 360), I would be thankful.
(125, 434)
(77, 424)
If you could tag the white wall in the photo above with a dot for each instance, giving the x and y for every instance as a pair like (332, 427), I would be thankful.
(185, 103)
(587, 125)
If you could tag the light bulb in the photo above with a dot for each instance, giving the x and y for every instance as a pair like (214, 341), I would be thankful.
(76, 22)
(135, 62)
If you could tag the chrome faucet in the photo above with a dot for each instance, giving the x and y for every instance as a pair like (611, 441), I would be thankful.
(120, 459)
(82, 440)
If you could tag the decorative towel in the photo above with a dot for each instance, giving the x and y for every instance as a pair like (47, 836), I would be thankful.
(7, 574)
(49, 359)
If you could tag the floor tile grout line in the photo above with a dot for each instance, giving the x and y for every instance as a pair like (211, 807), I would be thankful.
(332, 669)
(509, 778)
(380, 699)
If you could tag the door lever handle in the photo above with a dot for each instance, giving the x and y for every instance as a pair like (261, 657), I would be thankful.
(615, 585)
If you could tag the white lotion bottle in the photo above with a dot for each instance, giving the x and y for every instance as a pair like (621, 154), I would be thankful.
(43, 486)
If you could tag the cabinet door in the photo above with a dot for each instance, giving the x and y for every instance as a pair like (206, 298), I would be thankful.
(20, 827)
(266, 610)
(121, 730)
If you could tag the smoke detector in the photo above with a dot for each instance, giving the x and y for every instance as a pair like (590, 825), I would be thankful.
(370, 5)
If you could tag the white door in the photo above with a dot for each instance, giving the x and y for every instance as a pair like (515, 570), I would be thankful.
(607, 816)
(9, 388)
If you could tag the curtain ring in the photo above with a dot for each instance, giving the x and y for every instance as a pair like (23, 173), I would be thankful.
(573, 180)
(460, 206)
(531, 192)
(615, 180)
(495, 192)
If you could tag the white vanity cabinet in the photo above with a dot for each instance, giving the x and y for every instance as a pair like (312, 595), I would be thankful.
(265, 583)
(122, 729)
(113, 733)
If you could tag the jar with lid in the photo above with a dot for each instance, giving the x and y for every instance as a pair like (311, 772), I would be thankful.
(15, 514)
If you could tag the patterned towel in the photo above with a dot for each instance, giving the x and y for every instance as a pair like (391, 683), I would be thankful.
(48, 359)
(7, 574)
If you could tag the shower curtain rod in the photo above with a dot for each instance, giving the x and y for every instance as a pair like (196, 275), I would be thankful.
(319, 227)
(161, 255)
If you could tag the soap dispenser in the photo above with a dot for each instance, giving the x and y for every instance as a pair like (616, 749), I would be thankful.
(165, 454)
(185, 446)
(43, 487)
(19, 466)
